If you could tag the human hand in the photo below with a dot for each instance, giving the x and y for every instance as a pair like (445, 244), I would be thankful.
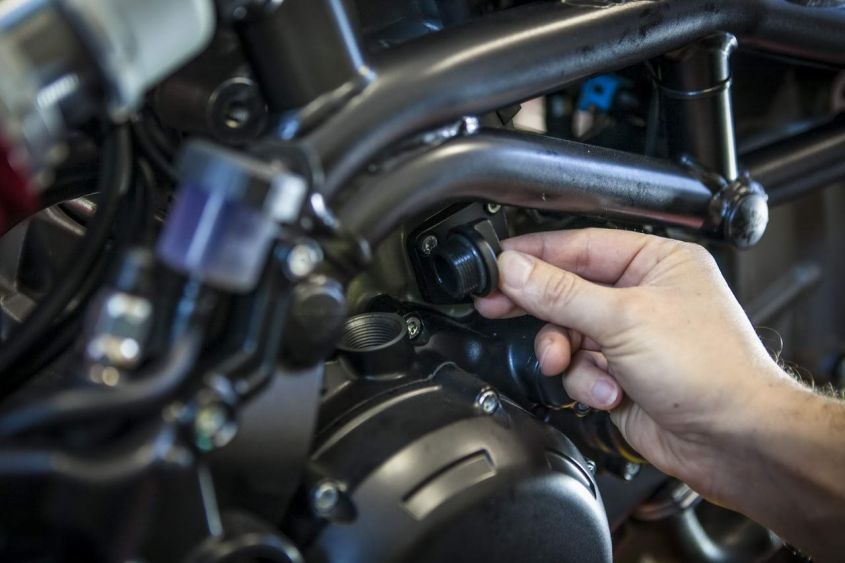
(648, 329)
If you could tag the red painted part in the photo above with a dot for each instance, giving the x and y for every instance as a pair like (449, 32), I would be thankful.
(17, 199)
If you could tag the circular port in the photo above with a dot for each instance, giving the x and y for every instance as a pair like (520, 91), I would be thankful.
(376, 343)
(372, 331)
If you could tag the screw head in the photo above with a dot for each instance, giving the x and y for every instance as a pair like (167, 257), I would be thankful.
(302, 259)
(493, 208)
(325, 497)
(487, 401)
(428, 244)
(213, 425)
(592, 467)
(210, 420)
(414, 326)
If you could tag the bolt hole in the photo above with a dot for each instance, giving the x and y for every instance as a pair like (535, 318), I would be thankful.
(237, 115)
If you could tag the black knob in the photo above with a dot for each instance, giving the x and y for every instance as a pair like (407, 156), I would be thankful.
(465, 265)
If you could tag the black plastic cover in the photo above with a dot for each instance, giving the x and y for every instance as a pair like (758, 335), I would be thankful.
(428, 476)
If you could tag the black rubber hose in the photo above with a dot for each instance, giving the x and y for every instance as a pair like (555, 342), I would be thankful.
(113, 184)
(153, 153)
(149, 389)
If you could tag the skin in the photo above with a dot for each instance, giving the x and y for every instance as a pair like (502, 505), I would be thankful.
(647, 328)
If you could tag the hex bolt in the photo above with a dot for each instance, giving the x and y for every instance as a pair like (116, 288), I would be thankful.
(302, 259)
(487, 401)
(428, 244)
(493, 208)
(414, 326)
(325, 497)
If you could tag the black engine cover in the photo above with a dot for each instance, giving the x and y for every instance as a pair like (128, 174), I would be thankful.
(429, 476)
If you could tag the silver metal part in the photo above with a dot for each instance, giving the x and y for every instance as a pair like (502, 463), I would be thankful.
(33, 85)
(487, 401)
(214, 421)
(120, 331)
(64, 60)
(325, 497)
(631, 470)
(428, 244)
(136, 44)
(414, 326)
(303, 259)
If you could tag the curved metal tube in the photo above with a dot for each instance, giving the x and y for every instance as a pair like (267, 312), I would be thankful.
(524, 52)
(529, 171)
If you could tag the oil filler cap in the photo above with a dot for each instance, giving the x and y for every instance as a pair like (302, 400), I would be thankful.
(465, 265)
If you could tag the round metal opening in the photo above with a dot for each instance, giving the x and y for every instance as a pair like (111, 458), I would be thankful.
(372, 331)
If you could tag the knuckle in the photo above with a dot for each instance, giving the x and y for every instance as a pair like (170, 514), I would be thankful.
(695, 252)
(559, 288)
(702, 259)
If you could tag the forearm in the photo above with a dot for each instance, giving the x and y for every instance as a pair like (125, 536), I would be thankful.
(787, 466)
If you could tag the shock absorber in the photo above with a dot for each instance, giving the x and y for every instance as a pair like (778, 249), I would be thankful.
(65, 61)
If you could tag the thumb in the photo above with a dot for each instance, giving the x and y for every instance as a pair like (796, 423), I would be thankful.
(558, 296)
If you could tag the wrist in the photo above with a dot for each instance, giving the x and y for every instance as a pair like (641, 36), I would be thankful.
(782, 442)
(765, 402)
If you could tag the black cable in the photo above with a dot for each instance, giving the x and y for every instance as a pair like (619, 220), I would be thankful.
(152, 152)
(113, 184)
(149, 389)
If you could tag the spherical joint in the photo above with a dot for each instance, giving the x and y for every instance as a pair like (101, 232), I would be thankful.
(465, 265)
(747, 220)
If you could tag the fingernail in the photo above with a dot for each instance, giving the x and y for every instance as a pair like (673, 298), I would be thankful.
(604, 392)
(516, 268)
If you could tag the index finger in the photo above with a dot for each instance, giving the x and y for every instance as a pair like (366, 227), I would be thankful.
(598, 255)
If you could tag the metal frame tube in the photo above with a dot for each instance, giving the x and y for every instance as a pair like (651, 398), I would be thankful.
(798, 165)
(520, 53)
(556, 175)
(534, 172)
(304, 49)
(695, 97)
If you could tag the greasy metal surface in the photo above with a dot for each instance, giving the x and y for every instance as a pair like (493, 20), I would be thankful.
(529, 171)
(520, 53)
